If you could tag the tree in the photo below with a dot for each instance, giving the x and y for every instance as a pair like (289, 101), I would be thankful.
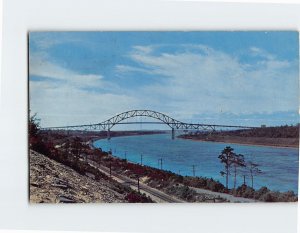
(254, 170)
(238, 161)
(227, 158)
(36, 141)
(33, 127)
(77, 146)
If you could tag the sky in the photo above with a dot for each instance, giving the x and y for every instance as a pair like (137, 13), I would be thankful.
(232, 77)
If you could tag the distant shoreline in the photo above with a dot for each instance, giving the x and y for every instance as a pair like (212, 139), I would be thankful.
(232, 141)
(125, 134)
(227, 140)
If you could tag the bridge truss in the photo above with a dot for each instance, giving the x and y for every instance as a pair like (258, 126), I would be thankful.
(163, 119)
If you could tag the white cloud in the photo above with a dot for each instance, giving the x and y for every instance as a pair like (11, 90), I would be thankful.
(254, 51)
(210, 81)
(64, 105)
(125, 69)
(46, 40)
(144, 49)
(40, 66)
(66, 102)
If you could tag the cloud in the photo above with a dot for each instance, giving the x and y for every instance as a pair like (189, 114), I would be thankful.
(46, 40)
(63, 105)
(126, 69)
(144, 49)
(60, 96)
(205, 80)
(40, 66)
(254, 51)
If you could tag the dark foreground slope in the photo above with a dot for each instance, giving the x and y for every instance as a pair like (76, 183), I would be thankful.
(53, 182)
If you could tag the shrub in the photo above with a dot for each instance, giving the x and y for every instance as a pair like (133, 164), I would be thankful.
(183, 192)
(262, 191)
(214, 185)
(244, 191)
(135, 197)
(288, 196)
(268, 197)
(279, 197)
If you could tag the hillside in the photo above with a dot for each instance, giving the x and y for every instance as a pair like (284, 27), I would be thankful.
(53, 182)
(266, 132)
(281, 136)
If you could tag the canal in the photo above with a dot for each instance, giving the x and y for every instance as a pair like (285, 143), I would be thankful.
(279, 166)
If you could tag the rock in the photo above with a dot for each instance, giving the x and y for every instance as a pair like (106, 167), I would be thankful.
(35, 185)
(64, 199)
(62, 186)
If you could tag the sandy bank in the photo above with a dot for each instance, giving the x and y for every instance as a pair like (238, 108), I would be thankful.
(266, 142)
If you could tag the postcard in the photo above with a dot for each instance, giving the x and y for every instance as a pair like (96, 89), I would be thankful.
(163, 116)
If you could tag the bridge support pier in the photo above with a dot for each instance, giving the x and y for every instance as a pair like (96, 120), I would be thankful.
(173, 133)
(108, 134)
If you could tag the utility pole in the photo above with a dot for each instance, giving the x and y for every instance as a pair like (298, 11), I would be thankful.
(125, 155)
(244, 179)
(161, 163)
(194, 170)
(141, 159)
(110, 169)
(138, 184)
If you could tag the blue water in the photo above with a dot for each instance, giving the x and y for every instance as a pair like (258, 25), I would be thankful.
(279, 165)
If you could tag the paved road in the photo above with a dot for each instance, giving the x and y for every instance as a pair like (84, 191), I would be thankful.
(155, 194)
(226, 196)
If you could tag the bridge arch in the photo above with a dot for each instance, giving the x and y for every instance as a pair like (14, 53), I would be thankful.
(171, 122)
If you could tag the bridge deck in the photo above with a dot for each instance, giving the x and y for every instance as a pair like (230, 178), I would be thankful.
(162, 119)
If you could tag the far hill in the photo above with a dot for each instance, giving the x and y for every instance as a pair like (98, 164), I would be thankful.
(281, 136)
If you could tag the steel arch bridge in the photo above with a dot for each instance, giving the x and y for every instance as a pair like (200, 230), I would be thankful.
(163, 119)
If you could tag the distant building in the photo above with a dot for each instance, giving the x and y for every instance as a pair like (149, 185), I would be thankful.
(263, 126)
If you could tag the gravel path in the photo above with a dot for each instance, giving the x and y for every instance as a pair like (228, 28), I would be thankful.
(226, 196)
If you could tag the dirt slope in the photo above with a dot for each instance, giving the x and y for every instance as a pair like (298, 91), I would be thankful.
(52, 182)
